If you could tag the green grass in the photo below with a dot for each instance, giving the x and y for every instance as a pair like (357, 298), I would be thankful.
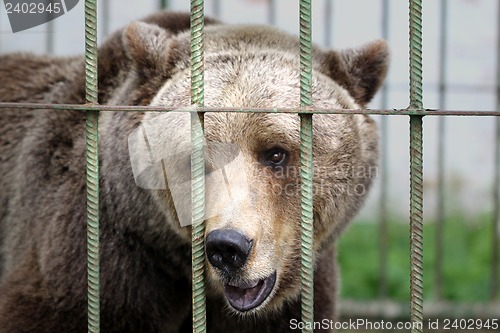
(466, 260)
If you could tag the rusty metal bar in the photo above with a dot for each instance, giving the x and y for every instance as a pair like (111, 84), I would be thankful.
(416, 168)
(416, 220)
(384, 171)
(128, 108)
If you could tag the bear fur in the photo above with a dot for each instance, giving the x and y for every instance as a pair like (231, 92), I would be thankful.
(145, 254)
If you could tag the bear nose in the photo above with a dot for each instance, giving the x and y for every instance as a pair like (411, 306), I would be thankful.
(227, 249)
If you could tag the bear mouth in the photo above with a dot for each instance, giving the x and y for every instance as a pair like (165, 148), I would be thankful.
(249, 295)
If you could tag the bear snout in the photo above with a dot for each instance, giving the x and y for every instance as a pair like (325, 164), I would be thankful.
(227, 249)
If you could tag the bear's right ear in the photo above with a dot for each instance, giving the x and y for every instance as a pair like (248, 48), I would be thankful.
(148, 46)
(361, 71)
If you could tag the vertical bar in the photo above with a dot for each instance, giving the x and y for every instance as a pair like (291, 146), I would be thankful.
(216, 8)
(164, 4)
(49, 38)
(416, 168)
(105, 18)
(328, 22)
(198, 167)
(271, 14)
(495, 247)
(92, 167)
(384, 171)
(438, 269)
(306, 169)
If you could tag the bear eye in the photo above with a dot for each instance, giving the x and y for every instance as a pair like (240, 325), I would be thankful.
(275, 157)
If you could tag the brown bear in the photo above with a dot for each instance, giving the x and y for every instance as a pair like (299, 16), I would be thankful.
(252, 242)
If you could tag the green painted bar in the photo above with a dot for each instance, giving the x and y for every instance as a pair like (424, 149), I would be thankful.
(416, 221)
(416, 168)
(92, 167)
(197, 168)
(306, 168)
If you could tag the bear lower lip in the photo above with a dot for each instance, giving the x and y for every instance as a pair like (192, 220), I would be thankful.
(248, 296)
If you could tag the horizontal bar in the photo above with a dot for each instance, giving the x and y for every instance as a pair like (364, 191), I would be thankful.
(128, 108)
(389, 310)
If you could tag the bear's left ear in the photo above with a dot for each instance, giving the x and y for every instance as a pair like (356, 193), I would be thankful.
(361, 71)
(148, 46)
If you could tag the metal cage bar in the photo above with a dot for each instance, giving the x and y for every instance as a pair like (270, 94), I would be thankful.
(328, 16)
(443, 57)
(136, 108)
(306, 168)
(271, 12)
(495, 246)
(91, 91)
(384, 171)
(416, 170)
(49, 37)
(216, 8)
(198, 168)
(106, 14)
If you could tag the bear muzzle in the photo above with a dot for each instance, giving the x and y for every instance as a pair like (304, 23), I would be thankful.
(228, 251)
(249, 295)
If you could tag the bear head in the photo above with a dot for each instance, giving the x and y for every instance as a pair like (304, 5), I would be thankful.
(252, 160)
